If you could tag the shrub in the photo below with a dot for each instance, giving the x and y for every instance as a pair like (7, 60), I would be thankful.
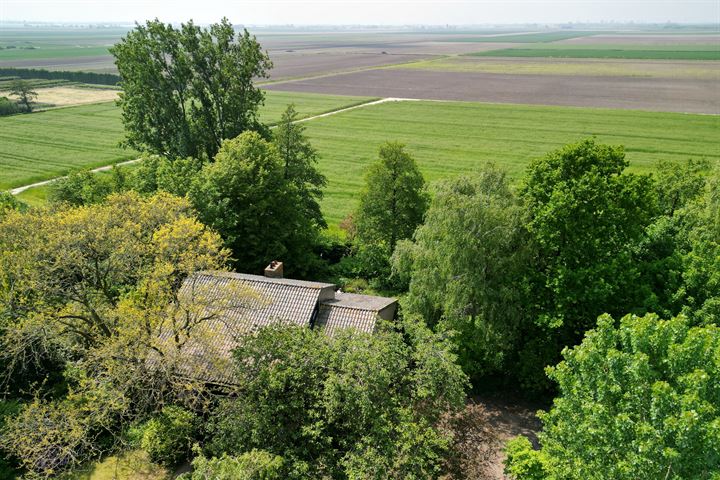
(50, 437)
(168, 437)
(252, 465)
(8, 107)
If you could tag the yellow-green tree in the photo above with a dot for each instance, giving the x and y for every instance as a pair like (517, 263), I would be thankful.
(107, 292)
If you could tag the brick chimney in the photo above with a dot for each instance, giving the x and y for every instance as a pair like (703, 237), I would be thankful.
(274, 270)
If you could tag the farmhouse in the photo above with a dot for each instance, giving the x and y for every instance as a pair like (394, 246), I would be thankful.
(238, 304)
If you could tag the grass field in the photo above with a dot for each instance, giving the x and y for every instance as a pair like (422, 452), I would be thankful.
(457, 137)
(448, 138)
(48, 144)
(648, 52)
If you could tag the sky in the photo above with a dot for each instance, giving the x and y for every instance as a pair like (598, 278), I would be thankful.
(372, 12)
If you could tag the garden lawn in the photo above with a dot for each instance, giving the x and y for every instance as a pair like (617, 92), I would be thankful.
(449, 138)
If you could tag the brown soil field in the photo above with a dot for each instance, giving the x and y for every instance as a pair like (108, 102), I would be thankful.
(654, 94)
(301, 64)
(619, 39)
(100, 63)
(574, 66)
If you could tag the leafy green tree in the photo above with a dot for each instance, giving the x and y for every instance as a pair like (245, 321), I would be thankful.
(86, 188)
(79, 281)
(392, 205)
(169, 435)
(8, 107)
(585, 217)
(245, 196)
(24, 92)
(701, 259)
(353, 406)
(640, 400)
(585, 214)
(300, 160)
(187, 89)
(159, 173)
(466, 266)
(9, 203)
(663, 254)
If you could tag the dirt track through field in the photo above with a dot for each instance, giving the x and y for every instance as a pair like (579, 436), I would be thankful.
(651, 94)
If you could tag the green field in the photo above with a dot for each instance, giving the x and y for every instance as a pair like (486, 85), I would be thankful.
(48, 144)
(448, 138)
(646, 52)
(452, 138)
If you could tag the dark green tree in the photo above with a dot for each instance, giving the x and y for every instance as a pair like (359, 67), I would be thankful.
(638, 400)
(24, 92)
(585, 217)
(187, 89)
(585, 214)
(466, 266)
(245, 196)
(392, 205)
(300, 160)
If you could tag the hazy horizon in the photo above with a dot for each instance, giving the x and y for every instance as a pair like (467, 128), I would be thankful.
(391, 13)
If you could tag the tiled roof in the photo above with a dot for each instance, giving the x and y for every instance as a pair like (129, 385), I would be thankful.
(235, 304)
(332, 318)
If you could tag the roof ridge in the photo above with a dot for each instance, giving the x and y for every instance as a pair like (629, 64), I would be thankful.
(290, 282)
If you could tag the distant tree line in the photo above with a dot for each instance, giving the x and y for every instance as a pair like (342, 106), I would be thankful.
(92, 78)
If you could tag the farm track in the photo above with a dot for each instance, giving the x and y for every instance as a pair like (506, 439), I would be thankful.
(105, 168)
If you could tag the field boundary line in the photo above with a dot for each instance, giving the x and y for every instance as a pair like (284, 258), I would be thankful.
(105, 168)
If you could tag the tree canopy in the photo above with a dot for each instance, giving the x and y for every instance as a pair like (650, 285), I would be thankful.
(466, 267)
(392, 204)
(355, 405)
(637, 400)
(245, 195)
(187, 89)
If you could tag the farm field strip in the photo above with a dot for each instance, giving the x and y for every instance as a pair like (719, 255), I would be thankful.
(45, 145)
(685, 95)
(649, 52)
(571, 66)
(106, 168)
(530, 37)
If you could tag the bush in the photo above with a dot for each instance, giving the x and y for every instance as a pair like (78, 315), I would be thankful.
(168, 437)
(8, 107)
(252, 465)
